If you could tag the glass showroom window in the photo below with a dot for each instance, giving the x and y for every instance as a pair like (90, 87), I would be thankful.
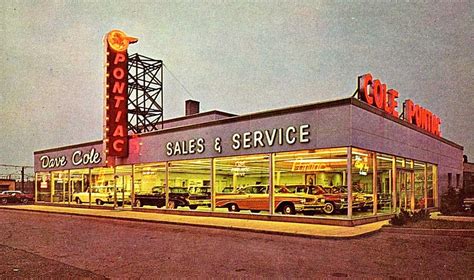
(410, 186)
(242, 184)
(60, 186)
(79, 182)
(43, 187)
(149, 185)
(123, 185)
(101, 191)
(189, 185)
(311, 182)
(362, 182)
(384, 183)
(419, 184)
(430, 184)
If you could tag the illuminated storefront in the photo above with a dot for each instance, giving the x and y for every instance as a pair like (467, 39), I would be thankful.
(343, 159)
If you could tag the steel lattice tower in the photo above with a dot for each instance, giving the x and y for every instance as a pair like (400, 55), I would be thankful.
(145, 94)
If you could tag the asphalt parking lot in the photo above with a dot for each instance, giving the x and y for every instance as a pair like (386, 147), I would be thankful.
(35, 245)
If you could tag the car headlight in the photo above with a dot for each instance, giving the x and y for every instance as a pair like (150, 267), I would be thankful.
(342, 200)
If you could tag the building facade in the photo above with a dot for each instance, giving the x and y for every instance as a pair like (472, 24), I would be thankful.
(340, 159)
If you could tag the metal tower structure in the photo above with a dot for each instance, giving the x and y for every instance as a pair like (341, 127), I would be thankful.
(145, 94)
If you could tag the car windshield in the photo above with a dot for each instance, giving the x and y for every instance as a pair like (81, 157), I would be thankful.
(199, 190)
(178, 190)
(157, 190)
(255, 189)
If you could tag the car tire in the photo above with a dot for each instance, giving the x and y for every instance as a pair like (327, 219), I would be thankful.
(78, 200)
(99, 202)
(24, 200)
(288, 209)
(329, 208)
(233, 207)
(3, 201)
(255, 211)
(172, 204)
(193, 207)
(138, 203)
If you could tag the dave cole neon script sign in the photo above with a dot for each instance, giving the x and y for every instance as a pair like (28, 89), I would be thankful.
(375, 93)
(116, 96)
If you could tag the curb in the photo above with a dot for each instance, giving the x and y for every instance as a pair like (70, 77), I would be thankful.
(235, 228)
(427, 231)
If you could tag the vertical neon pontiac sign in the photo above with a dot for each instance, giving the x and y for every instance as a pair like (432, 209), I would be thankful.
(116, 94)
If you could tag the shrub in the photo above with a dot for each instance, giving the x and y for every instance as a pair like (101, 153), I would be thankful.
(405, 217)
(451, 202)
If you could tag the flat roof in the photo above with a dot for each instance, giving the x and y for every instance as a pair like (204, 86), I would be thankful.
(300, 108)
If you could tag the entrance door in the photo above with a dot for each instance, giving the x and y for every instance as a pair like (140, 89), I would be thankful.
(122, 186)
(405, 195)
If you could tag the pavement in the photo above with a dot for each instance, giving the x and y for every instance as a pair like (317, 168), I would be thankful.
(272, 227)
(439, 216)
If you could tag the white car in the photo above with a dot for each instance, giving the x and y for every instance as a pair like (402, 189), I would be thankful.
(101, 195)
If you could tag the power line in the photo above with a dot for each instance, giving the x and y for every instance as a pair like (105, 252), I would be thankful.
(181, 84)
(16, 166)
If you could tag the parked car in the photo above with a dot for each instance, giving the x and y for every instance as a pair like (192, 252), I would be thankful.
(101, 195)
(199, 196)
(366, 200)
(256, 198)
(192, 197)
(15, 197)
(468, 204)
(155, 198)
(336, 199)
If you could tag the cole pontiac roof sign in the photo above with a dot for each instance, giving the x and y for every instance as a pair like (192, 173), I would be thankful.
(375, 93)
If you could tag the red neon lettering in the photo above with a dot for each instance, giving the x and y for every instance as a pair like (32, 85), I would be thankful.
(418, 115)
(118, 87)
(118, 131)
(376, 93)
(118, 73)
(118, 116)
(364, 82)
(408, 109)
(118, 99)
(118, 145)
(392, 103)
(120, 57)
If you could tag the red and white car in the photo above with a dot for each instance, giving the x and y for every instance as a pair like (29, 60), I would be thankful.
(15, 197)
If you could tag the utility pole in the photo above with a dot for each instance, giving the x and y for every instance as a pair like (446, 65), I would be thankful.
(22, 179)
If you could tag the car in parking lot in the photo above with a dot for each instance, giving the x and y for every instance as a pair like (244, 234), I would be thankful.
(15, 197)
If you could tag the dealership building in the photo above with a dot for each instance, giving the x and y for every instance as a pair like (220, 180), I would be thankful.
(346, 161)
(344, 142)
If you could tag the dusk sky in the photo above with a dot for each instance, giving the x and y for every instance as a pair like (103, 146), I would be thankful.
(239, 57)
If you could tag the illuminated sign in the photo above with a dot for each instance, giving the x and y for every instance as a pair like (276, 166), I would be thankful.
(78, 158)
(248, 140)
(116, 95)
(421, 117)
(375, 93)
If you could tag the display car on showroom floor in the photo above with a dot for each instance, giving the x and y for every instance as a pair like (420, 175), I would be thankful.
(256, 198)
(101, 195)
(192, 197)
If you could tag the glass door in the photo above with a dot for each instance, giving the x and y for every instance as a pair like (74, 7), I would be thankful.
(405, 189)
(122, 187)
